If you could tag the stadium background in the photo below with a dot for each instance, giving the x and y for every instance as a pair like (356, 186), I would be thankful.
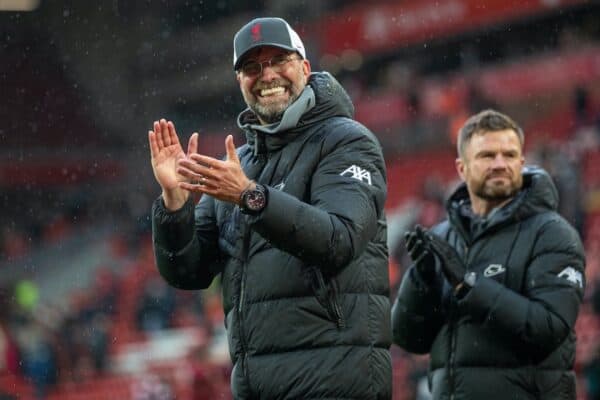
(83, 314)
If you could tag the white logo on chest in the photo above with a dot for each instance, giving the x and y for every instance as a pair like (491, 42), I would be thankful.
(493, 269)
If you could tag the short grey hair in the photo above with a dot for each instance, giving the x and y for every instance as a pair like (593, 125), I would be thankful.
(486, 121)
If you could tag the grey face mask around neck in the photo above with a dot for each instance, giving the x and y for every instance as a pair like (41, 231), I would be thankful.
(305, 102)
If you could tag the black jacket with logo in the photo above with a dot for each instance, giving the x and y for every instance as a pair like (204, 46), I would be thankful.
(511, 336)
(305, 283)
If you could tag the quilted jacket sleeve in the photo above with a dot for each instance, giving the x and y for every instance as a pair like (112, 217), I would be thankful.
(416, 314)
(542, 316)
(347, 195)
(186, 259)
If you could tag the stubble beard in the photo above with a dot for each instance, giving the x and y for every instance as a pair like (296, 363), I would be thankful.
(273, 112)
(498, 194)
(270, 113)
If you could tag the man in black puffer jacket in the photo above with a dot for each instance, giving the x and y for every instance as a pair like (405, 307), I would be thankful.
(293, 224)
(494, 291)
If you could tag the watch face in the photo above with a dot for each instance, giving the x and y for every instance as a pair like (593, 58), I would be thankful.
(255, 200)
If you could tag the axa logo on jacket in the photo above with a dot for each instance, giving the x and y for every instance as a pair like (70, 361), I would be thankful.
(358, 173)
(572, 275)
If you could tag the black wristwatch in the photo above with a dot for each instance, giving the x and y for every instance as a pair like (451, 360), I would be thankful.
(253, 201)
(468, 282)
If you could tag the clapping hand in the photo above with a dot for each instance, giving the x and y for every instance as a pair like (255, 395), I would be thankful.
(418, 249)
(452, 265)
(165, 152)
(222, 179)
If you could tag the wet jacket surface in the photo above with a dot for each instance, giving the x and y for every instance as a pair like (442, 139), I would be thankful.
(305, 283)
(511, 336)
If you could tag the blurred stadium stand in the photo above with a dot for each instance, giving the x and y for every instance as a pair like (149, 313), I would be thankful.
(83, 314)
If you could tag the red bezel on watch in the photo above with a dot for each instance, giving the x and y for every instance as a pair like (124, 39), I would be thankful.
(253, 200)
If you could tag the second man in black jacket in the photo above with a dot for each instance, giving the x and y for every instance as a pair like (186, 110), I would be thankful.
(494, 291)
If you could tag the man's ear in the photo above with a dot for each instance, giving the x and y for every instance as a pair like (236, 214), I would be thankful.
(460, 167)
(306, 67)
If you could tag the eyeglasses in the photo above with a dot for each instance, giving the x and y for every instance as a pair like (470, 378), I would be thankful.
(277, 63)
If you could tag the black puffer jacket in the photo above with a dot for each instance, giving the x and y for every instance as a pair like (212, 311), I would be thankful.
(305, 283)
(511, 336)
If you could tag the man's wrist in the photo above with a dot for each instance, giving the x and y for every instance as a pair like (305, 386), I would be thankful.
(465, 286)
(173, 200)
(250, 186)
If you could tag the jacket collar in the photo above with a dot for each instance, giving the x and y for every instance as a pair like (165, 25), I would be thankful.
(322, 98)
(247, 120)
(538, 195)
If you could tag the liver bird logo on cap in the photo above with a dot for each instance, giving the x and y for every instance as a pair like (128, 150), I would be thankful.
(255, 31)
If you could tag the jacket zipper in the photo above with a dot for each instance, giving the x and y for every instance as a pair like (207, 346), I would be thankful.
(240, 307)
(247, 236)
(453, 333)
(242, 290)
(452, 352)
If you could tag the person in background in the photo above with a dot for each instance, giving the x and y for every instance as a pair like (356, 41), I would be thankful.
(494, 291)
(292, 222)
